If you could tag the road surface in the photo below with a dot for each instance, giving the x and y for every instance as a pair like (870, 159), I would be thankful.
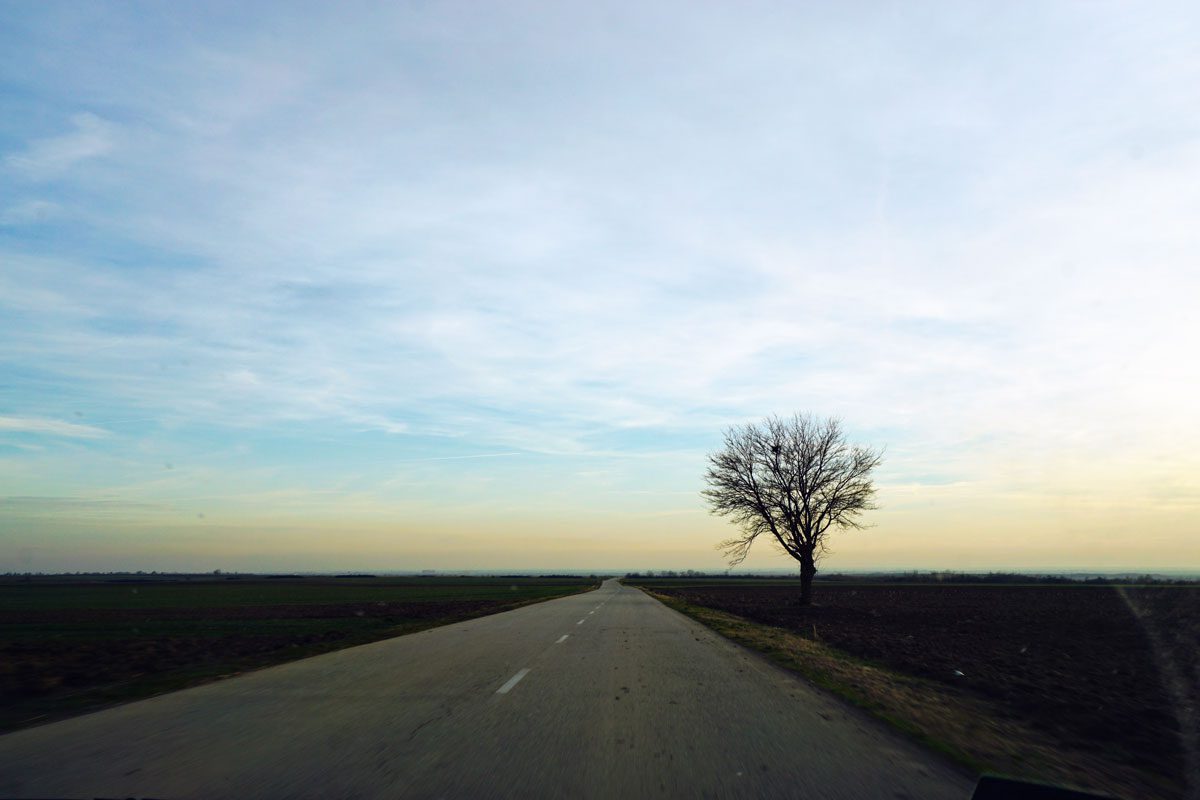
(604, 694)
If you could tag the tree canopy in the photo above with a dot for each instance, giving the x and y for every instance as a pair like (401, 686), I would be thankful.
(793, 480)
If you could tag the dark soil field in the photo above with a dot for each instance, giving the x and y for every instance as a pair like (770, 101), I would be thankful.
(1105, 669)
(74, 645)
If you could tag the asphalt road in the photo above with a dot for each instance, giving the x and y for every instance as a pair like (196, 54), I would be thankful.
(604, 694)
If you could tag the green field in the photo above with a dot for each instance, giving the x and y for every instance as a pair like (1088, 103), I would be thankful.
(74, 644)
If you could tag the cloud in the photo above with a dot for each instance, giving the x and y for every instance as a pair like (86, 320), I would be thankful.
(50, 427)
(53, 156)
(30, 212)
(473, 455)
(60, 505)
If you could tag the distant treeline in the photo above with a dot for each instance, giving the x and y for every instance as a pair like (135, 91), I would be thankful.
(933, 577)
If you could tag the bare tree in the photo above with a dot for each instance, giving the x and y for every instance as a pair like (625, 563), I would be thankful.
(794, 480)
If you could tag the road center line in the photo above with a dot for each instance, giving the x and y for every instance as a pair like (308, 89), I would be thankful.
(562, 638)
(513, 681)
(581, 621)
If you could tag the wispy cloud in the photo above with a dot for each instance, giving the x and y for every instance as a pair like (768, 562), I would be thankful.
(52, 156)
(50, 427)
(29, 212)
(474, 455)
(59, 505)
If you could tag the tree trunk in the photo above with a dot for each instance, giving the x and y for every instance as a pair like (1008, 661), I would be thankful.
(808, 569)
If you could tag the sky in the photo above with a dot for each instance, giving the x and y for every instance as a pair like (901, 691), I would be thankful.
(434, 285)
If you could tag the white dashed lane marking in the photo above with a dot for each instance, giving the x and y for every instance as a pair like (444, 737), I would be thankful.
(513, 681)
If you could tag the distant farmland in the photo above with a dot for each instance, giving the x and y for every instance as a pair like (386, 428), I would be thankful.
(1090, 685)
(69, 645)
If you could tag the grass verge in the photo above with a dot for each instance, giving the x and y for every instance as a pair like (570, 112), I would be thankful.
(965, 728)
